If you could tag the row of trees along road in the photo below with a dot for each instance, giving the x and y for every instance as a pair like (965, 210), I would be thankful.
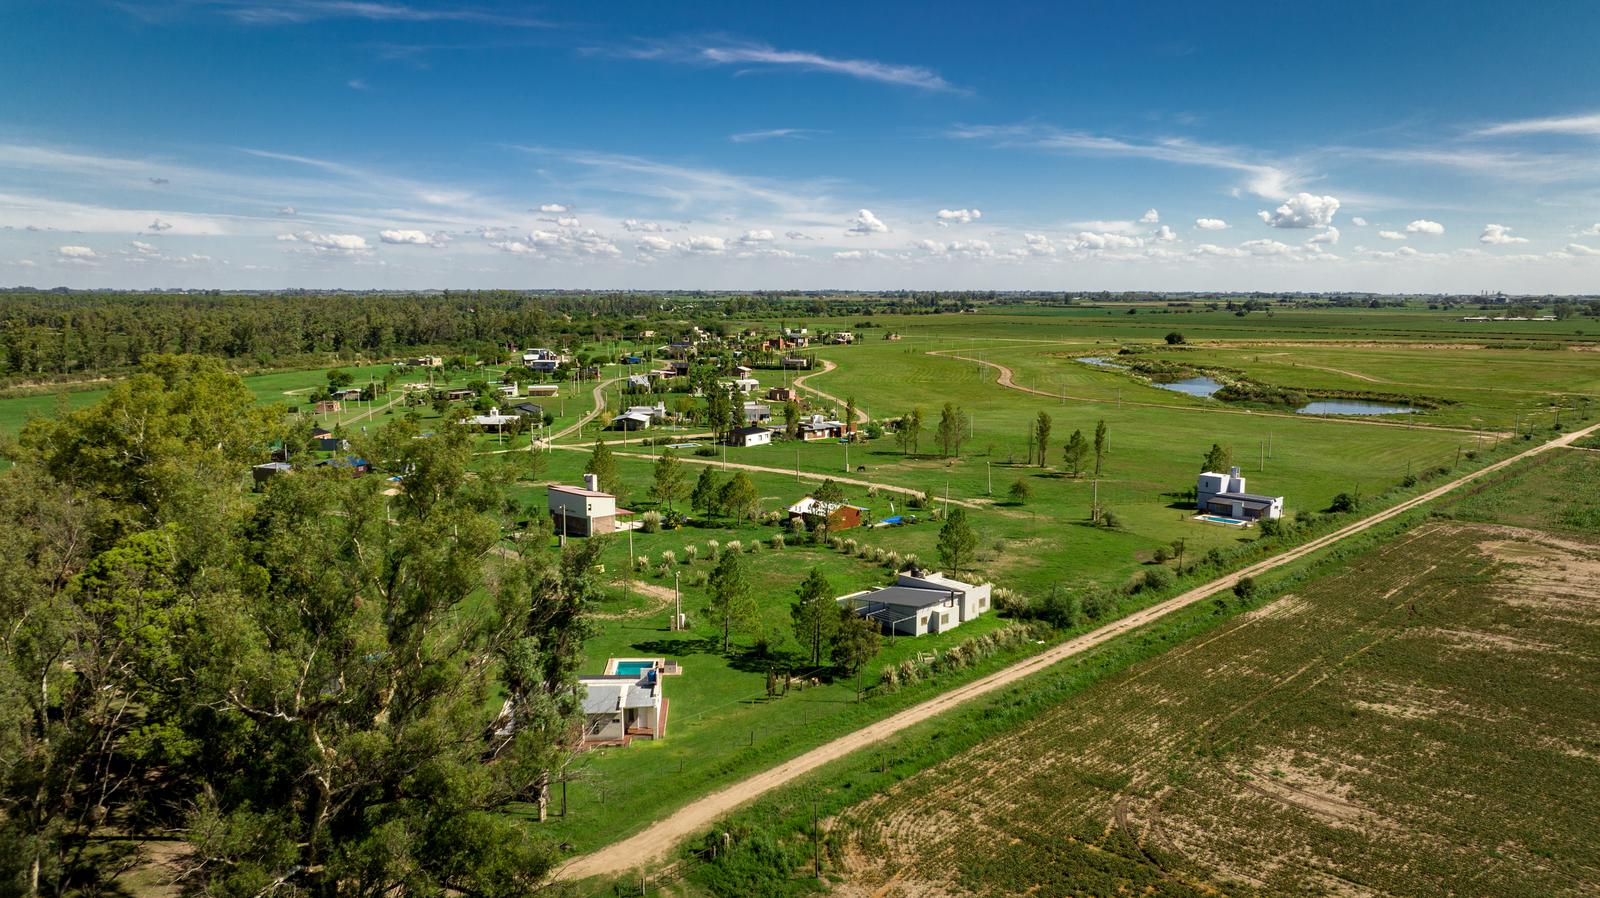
(301, 689)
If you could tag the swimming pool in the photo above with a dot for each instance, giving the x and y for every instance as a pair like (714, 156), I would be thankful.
(634, 668)
(1219, 519)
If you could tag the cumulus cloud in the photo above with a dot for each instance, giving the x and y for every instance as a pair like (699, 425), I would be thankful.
(866, 223)
(798, 235)
(1328, 237)
(157, 226)
(759, 235)
(407, 237)
(1210, 224)
(555, 208)
(1424, 226)
(705, 244)
(1359, 222)
(342, 244)
(76, 252)
(1266, 247)
(286, 210)
(949, 217)
(1499, 235)
(1211, 249)
(857, 255)
(1150, 216)
(1391, 235)
(1165, 234)
(1039, 245)
(1578, 249)
(654, 244)
(1591, 231)
(144, 249)
(1091, 240)
(642, 227)
(1303, 210)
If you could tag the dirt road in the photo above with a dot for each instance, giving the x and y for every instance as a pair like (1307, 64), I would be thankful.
(652, 845)
(800, 383)
(1007, 379)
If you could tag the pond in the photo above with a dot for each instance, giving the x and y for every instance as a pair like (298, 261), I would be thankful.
(1201, 386)
(1097, 362)
(1352, 407)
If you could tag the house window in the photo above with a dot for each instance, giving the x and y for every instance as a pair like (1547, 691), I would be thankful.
(944, 619)
(983, 602)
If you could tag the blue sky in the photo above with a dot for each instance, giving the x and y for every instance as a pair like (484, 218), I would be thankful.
(368, 143)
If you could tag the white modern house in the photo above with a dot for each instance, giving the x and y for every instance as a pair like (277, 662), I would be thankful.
(494, 422)
(582, 510)
(618, 708)
(920, 603)
(750, 436)
(541, 360)
(1224, 495)
(639, 417)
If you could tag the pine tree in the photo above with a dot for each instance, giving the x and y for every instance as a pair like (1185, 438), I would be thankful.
(1041, 437)
(669, 484)
(958, 544)
(731, 607)
(1074, 453)
(603, 465)
(1099, 446)
(814, 614)
(1218, 460)
(704, 497)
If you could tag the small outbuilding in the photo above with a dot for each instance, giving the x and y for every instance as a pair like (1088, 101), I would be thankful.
(582, 510)
(749, 436)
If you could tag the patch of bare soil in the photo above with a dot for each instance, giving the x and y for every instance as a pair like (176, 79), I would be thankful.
(660, 598)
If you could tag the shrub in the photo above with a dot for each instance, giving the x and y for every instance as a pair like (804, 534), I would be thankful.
(1109, 519)
(713, 548)
(669, 558)
(1009, 603)
(689, 554)
(642, 562)
(650, 522)
(1245, 589)
(732, 547)
(889, 679)
(796, 526)
(848, 546)
(1344, 502)
(1160, 555)
(910, 561)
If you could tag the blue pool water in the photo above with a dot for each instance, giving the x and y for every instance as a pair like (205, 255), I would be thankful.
(634, 668)
(1219, 519)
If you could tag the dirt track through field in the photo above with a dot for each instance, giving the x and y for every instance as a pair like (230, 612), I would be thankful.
(652, 845)
(1007, 379)
(861, 416)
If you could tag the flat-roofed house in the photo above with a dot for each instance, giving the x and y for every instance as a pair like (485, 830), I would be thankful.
(920, 603)
(639, 417)
(582, 510)
(1224, 495)
(493, 422)
(821, 427)
(541, 359)
(782, 394)
(756, 412)
(618, 708)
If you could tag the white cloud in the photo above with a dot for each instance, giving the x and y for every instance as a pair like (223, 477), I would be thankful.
(568, 222)
(1112, 227)
(1424, 226)
(1150, 216)
(1303, 210)
(798, 235)
(1211, 249)
(76, 252)
(1328, 237)
(1591, 231)
(759, 235)
(286, 210)
(555, 208)
(773, 134)
(705, 244)
(642, 227)
(413, 237)
(1391, 235)
(158, 226)
(1165, 234)
(653, 244)
(1578, 249)
(1265, 247)
(864, 69)
(857, 255)
(1587, 125)
(1210, 224)
(1039, 245)
(866, 223)
(1359, 222)
(338, 244)
(1090, 240)
(144, 249)
(1499, 235)
(958, 216)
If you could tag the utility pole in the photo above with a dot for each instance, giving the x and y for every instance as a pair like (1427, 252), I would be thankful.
(988, 470)
(677, 603)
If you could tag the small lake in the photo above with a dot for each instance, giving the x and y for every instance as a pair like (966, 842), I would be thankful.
(1097, 362)
(1352, 407)
(1201, 386)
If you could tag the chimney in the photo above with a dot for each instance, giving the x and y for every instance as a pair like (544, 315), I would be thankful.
(591, 482)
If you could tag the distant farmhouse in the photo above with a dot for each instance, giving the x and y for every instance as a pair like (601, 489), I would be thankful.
(821, 427)
(494, 422)
(1224, 495)
(782, 394)
(920, 603)
(749, 436)
(639, 417)
(544, 360)
(756, 412)
(839, 516)
(582, 510)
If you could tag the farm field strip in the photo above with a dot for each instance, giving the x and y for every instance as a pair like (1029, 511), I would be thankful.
(652, 844)
(1346, 738)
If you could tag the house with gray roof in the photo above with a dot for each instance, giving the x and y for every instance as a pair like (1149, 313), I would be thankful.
(920, 603)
